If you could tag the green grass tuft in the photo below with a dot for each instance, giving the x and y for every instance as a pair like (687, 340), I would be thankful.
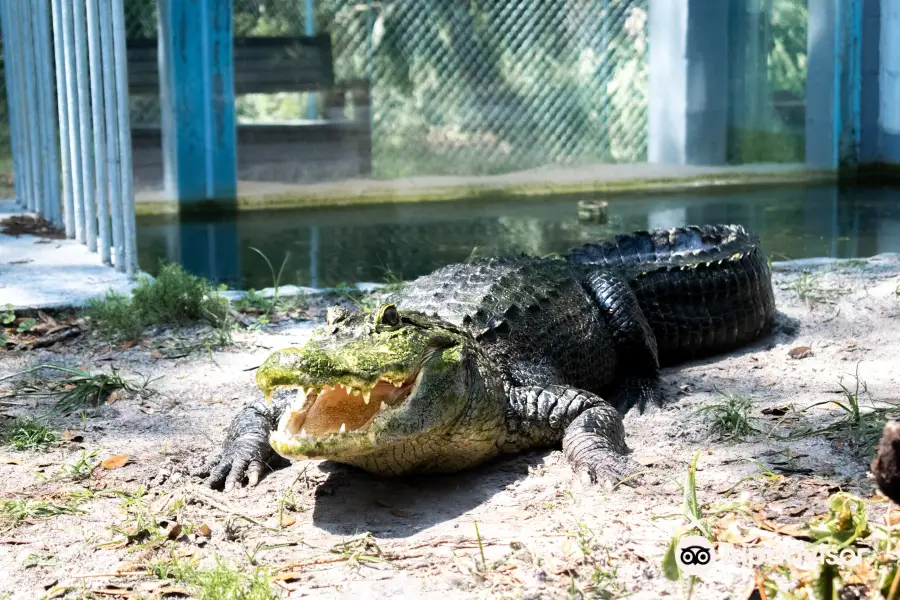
(28, 434)
(175, 297)
(179, 298)
(221, 581)
(13, 512)
(114, 316)
(80, 388)
(731, 417)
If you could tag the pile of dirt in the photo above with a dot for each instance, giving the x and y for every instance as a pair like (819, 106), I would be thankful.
(18, 225)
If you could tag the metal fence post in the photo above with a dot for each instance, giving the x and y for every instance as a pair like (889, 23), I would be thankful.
(28, 102)
(74, 125)
(14, 108)
(97, 105)
(62, 113)
(49, 127)
(114, 167)
(84, 118)
(121, 76)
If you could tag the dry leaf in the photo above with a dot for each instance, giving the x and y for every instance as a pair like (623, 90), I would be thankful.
(116, 461)
(114, 396)
(168, 591)
(156, 354)
(174, 531)
(648, 461)
(126, 345)
(146, 409)
(69, 435)
(204, 530)
(777, 411)
(6, 460)
(289, 576)
(794, 530)
(47, 318)
(287, 520)
(161, 504)
(800, 352)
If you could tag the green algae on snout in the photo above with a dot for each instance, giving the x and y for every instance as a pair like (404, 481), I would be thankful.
(357, 352)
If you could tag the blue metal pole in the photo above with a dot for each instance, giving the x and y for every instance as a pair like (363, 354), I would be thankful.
(44, 55)
(121, 77)
(14, 108)
(61, 101)
(97, 105)
(114, 166)
(78, 191)
(26, 80)
(84, 122)
(39, 132)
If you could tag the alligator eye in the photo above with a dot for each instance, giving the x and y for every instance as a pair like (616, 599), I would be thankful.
(389, 316)
(336, 314)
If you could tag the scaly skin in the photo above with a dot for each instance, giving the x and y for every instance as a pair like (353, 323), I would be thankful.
(505, 354)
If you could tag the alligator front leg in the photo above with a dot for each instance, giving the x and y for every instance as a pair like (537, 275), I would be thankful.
(638, 373)
(591, 430)
(246, 450)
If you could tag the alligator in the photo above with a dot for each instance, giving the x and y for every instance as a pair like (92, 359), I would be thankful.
(501, 355)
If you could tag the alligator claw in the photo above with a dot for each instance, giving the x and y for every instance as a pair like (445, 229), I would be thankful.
(612, 471)
(245, 454)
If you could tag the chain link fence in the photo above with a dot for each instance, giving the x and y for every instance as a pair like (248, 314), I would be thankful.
(480, 87)
(466, 88)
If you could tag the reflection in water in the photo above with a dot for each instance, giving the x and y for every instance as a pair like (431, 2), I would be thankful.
(349, 244)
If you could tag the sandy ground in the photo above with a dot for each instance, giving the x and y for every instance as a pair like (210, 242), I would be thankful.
(543, 534)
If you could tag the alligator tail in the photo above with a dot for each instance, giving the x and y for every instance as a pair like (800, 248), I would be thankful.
(704, 289)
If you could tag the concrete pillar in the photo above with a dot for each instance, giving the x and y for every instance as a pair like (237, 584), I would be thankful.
(869, 87)
(197, 98)
(889, 84)
(688, 81)
(822, 86)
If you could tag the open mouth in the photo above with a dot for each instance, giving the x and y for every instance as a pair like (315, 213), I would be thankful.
(332, 411)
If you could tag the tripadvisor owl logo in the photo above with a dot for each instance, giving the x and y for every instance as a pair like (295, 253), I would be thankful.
(695, 555)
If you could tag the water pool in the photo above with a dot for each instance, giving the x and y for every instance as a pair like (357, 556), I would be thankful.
(333, 246)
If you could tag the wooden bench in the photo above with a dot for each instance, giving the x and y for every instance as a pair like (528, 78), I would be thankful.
(294, 152)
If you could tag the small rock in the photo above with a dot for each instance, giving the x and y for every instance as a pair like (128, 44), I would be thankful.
(800, 352)
(776, 411)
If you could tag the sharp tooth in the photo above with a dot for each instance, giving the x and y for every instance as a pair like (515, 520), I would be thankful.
(398, 384)
(343, 428)
(366, 396)
(356, 392)
(383, 406)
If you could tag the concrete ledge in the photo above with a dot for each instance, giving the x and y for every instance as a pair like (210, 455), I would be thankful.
(55, 274)
(596, 179)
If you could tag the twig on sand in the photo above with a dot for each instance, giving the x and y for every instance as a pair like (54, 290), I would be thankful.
(201, 496)
(127, 573)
